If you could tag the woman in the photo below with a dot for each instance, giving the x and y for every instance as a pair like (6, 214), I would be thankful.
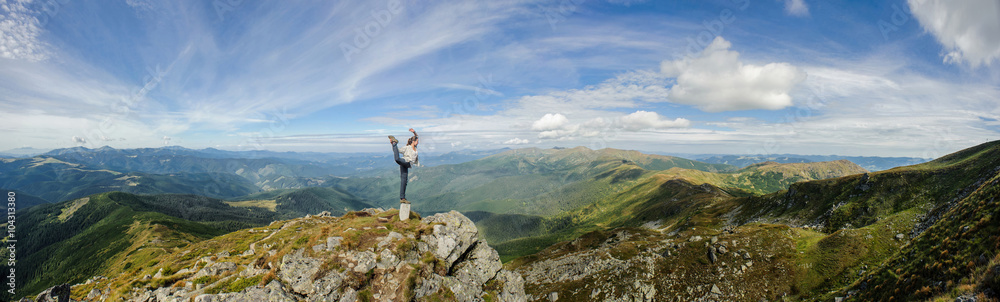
(409, 160)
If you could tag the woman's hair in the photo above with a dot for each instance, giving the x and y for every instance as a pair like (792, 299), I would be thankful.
(410, 140)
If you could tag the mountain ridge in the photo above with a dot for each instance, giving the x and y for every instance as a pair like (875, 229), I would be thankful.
(368, 255)
(922, 232)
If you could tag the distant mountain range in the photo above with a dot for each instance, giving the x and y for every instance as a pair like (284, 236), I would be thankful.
(871, 163)
(22, 152)
(72, 173)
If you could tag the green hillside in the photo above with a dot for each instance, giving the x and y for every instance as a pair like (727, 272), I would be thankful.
(860, 200)
(113, 233)
(618, 194)
(927, 232)
(291, 203)
(23, 199)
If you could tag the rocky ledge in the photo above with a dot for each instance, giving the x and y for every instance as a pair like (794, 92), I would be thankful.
(363, 256)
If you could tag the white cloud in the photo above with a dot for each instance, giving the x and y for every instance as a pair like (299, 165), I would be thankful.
(19, 32)
(79, 140)
(550, 122)
(718, 81)
(641, 120)
(796, 8)
(969, 30)
(516, 141)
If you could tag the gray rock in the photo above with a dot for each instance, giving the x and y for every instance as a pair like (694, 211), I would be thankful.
(271, 292)
(350, 295)
(513, 287)
(365, 261)
(297, 271)
(715, 239)
(716, 291)
(94, 294)
(711, 254)
(58, 293)
(387, 260)
(900, 237)
(482, 265)
(215, 269)
(333, 243)
(453, 235)
(695, 238)
(204, 298)
(553, 296)
(428, 286)
(643, 292)
(373, 211)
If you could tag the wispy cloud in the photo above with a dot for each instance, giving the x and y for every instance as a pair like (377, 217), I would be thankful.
(482, 74)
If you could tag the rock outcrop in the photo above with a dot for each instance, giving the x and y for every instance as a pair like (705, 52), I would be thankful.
(437, 258)
(646, 265)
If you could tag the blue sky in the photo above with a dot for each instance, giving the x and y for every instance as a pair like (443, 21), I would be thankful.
(899, 78)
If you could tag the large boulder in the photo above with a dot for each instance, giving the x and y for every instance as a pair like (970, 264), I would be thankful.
(453, 235)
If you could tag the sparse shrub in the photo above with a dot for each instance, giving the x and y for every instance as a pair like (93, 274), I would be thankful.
(366, 296)
(205, 280)
(301, 241)
(240, 285)
(167, 271)
(332, 263)
(267, 278)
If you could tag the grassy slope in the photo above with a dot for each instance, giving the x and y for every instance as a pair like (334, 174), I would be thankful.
(626, 195)
(23, 199)
(862, 215)
(290, 203)
(957, 254)
(863, 199)
(854, 248)
(71, 241)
